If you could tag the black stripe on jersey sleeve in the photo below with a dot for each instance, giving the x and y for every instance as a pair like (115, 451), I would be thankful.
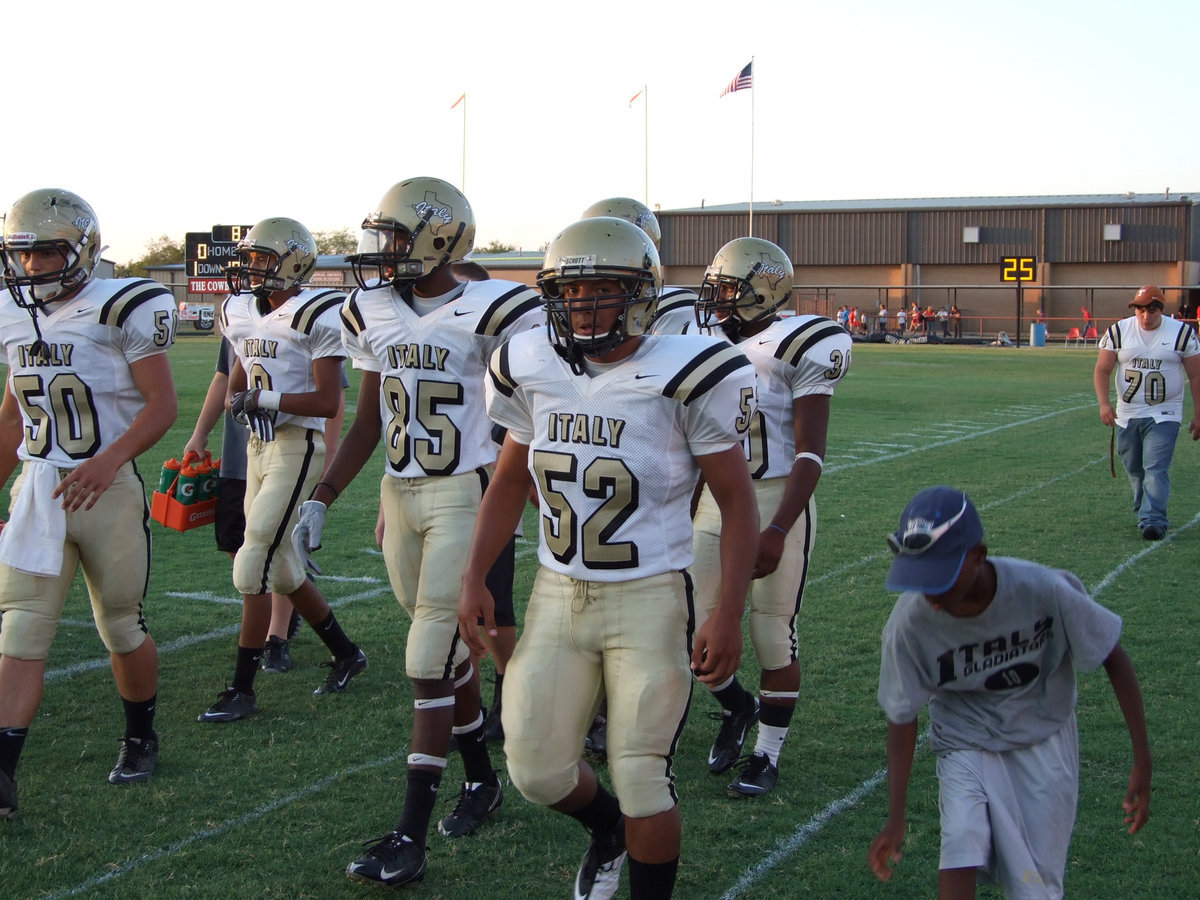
(352, 317)
(307, 315)
(500, 371)
(1114, 335)
(794, 346)
(703, 372)
(507, 308)
(223, 313)
(1181, 339)
(127, 299)
(675, 298)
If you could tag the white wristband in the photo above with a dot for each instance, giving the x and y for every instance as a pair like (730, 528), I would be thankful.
(799, 456)
(268, 399)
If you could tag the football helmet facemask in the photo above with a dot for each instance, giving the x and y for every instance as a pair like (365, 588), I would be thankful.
(593, 249)
(748, 280)
(421, 225)
(631, 211)
(51, 245)
(275, 255)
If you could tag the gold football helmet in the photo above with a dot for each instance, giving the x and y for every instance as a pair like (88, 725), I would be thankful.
(631, 211)
(53, 222)
(275, 255)
(421, 225)
(748, 280)
(603, 247)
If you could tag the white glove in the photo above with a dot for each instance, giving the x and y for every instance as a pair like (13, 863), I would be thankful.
(306, 536)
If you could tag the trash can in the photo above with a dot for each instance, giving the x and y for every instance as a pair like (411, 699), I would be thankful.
(1037, 334)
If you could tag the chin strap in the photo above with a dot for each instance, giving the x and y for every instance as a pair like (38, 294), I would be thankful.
(39, 349)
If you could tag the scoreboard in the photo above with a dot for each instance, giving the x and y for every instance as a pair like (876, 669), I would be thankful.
(207, 253)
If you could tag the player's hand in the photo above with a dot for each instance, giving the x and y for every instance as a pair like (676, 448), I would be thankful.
(262, 424)
(1137, 798)
(1108, 415)
(717, 650)
(84, 484)
(1194, 428)
(475, 602)
(306, 536)
(770, 550)
(242, 404)
(885, 850)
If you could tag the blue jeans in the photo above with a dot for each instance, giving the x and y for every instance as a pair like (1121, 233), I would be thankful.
(1146, 448)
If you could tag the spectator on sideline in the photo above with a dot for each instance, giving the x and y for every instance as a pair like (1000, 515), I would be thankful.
(1153, 358)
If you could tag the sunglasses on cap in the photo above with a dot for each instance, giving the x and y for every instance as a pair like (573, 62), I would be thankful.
(919, 539)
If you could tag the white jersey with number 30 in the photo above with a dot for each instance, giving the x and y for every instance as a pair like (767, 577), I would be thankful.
(82, 397)
(796, 356)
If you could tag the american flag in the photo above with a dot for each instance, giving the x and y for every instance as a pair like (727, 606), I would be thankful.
(744, 79)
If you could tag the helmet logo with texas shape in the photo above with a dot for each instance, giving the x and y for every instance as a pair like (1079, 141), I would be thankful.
(431, 208)
(769, 269)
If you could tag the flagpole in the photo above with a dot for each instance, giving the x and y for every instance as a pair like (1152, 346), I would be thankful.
(646, 138)
(752, 92)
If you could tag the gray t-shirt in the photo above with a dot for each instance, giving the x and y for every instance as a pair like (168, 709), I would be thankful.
(1005, 678)
(233, 436)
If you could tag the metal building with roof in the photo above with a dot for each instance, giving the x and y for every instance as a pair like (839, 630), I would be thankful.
(1082, 251)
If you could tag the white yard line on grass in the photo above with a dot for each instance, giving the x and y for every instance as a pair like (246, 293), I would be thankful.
(246, 818)
(188, 640)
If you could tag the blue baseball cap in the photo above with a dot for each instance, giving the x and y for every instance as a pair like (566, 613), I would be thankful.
(936, 530)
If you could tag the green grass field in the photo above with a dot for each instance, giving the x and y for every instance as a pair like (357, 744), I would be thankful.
(279, 804)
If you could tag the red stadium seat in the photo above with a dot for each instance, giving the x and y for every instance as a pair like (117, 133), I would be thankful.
(1072, 338)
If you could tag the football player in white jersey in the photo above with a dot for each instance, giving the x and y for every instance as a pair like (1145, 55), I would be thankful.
(288, 381)
(675, 309)
(422, 338)
(674, 313)
(613, 426)
(1153, 356)
(799, 361)
(89, 388)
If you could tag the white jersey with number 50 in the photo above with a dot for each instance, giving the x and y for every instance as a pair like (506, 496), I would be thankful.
(83, 397)
(432, 369)
(613, 453)
(1150, 375)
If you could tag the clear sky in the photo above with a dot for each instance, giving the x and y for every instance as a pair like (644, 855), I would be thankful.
(172, 117)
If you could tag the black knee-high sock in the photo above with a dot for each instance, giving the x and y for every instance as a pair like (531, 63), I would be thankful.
(248, 659)
(11, 742)
(139, 718)
(733, 696)
(418, 804)
(602, 813)
(477, 762)
(651, 881)
(331, 634)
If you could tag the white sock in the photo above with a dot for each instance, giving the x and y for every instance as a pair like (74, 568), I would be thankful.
(770, 741)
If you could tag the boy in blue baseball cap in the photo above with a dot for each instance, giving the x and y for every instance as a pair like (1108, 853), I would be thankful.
(992, 644)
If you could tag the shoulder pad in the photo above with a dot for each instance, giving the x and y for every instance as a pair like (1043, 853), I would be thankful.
(705, 370)
(793, 347)
(129, 297)
(505, 309)
(314, 307)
